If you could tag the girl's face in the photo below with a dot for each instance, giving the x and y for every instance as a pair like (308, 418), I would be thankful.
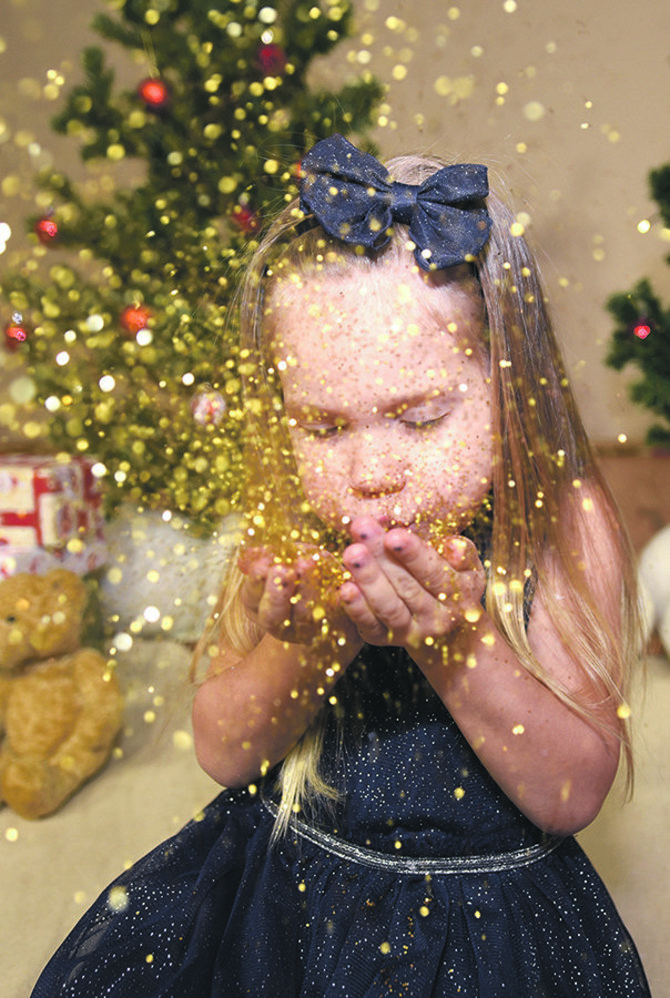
(386, 393)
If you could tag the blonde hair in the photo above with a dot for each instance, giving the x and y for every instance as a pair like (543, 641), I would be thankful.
(542, 458)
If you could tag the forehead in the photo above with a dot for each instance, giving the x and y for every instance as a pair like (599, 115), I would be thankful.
(375, 312)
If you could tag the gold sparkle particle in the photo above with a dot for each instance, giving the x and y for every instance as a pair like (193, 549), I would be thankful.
(566, 790)
(623, 711)
(459, 793)
(12, 834)
(534, 110)
(518, 729)
(424, 911)
(117, 899)
(457, 89)
(385, 948)
(182, 740)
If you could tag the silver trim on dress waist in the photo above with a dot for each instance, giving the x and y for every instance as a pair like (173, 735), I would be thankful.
(492, 863)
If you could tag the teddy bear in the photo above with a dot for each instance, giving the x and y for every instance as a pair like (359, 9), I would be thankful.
(60, 704)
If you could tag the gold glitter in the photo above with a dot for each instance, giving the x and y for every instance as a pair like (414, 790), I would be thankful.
(182, 740)
(534, 111)
(117, 899)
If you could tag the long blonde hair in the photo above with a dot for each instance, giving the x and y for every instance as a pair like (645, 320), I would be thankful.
(541, 458)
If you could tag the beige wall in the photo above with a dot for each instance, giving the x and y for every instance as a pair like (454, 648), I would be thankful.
(598, 71)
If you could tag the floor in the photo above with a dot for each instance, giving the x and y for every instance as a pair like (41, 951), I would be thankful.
(54, 868)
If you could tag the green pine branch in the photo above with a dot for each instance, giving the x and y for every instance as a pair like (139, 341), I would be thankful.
(216, 162)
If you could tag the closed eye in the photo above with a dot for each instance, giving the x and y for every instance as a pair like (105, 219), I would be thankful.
(321, 431)
(423, 424)
(317, 429)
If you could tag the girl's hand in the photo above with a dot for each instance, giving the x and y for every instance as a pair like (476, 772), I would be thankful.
(290, 600)
(403, 592)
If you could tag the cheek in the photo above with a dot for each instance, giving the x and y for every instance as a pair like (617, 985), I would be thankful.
(317, 468)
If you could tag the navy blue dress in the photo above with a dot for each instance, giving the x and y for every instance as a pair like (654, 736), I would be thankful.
(426, 881)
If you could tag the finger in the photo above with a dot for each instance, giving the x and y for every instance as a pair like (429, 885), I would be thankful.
(251, 594)
(368, 625)
(380, 592)
(461, 554)
(250, 559)
(431, 571)
(366, 530)
(274, 609)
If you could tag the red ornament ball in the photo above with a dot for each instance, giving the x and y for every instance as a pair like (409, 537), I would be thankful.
(46, 230)
(154, 93)
(642, 328)
(271, 59)
(245, 219)
(135, 317)
(16, 333)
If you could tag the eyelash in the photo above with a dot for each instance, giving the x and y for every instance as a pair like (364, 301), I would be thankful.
(327, 432)
(424, 424)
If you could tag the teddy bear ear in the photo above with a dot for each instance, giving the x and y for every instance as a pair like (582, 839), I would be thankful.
(60, 580)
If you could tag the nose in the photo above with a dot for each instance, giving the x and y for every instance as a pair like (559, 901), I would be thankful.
(374, 470)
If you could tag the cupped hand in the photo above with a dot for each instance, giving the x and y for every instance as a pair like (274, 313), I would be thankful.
(403, 592)
(293, 600)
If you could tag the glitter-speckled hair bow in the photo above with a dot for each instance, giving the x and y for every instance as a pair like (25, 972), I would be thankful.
(352, 197)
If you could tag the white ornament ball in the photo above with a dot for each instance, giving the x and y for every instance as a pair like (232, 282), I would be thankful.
(647, 610)
(208, 407)
(654, 571)
(664, 631)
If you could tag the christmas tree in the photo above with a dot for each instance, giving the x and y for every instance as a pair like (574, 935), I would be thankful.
(133, 346)
(642, 335)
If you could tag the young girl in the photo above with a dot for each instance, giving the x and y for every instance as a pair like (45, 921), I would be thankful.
(416, 687)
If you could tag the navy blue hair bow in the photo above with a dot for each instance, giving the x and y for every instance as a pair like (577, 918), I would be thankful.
(352, 197)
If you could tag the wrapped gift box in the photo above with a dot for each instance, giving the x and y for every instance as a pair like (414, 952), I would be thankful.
(50, 513)
(84, 557)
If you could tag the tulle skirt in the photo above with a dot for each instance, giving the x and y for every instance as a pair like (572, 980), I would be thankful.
(217, 911)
